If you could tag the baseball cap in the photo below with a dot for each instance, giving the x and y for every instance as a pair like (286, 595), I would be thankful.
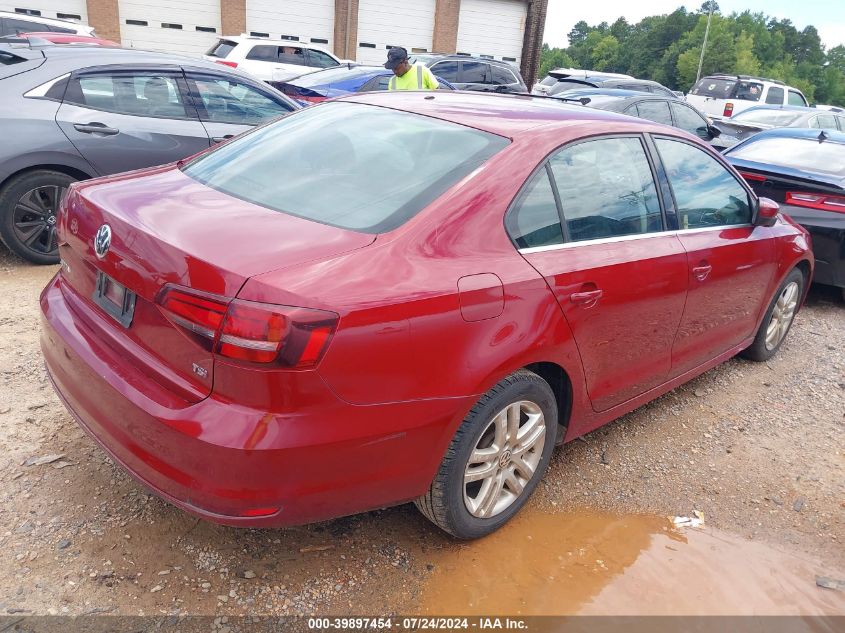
(395, 56)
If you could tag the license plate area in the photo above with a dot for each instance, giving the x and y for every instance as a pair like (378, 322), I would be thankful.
(115, 299)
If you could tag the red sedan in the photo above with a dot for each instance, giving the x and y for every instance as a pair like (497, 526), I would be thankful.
(404, 296)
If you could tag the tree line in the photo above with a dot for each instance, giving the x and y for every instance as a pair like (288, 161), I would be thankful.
(666, 48)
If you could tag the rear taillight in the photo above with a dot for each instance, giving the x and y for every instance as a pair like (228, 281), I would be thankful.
(820, 201)
(729, 109)
(250, 331)
(752, 177)
(225, 63)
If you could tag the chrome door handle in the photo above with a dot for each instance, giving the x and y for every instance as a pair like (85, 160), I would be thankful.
(589, 297)
(701, 272)
(220, 139)
(95, 128)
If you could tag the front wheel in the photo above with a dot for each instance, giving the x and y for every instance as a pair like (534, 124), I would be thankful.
(496, 459)
(778, 318)
(28, 206)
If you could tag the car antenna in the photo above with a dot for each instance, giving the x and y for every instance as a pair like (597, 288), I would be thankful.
(581, 100)
(823, 136)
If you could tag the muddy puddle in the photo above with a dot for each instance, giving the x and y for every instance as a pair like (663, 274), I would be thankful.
(567, 564)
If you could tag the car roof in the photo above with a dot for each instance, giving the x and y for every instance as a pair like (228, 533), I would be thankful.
(790, 108)
(243, 39)
(457, 56)
(505, 115)
(101, 56)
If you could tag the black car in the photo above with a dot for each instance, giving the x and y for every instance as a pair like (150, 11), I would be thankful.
(565, 80)
(657, 108)
(474, 73)
(804, 171)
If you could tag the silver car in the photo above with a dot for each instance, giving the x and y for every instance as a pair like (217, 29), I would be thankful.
(71, 113)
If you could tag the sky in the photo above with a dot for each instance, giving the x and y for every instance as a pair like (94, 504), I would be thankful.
(828, 16)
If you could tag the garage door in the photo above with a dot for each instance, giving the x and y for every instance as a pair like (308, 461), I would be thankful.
(386, 23)
(62, 9)
(300, 20)
(492, 28)
(188, 27)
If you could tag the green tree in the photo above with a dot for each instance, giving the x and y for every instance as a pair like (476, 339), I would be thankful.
(746, 62)
(719, 54)
(605, 54)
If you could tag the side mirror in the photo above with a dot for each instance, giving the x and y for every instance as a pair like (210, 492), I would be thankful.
(767, 212)
(713, 131)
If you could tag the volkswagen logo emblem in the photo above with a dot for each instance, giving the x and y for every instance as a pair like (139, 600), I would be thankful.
(102, 241)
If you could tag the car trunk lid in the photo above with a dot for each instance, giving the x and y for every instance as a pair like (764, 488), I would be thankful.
(167, 228)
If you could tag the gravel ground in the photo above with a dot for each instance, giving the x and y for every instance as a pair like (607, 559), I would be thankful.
(758, 448)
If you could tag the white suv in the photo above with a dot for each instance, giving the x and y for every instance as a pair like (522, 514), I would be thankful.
(14, 23)
(270, 60)
(722, 96)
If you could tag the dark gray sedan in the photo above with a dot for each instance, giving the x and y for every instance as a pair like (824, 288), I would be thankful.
(71, 113)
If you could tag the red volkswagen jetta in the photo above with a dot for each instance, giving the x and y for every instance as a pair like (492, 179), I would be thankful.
(399, 297)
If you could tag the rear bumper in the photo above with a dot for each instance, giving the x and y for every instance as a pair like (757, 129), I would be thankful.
(221, 460)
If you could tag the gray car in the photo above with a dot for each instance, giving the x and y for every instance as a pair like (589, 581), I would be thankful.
(71, 113)
(753, 120)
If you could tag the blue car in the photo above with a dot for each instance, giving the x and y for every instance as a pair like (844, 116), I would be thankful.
(804, 171)
(339, 81)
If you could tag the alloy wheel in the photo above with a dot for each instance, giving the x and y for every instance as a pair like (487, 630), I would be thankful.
(782, 315)
(504, 459)
(34, 218)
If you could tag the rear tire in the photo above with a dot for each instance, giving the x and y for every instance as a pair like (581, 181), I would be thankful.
(28, 206)
(778, 318)
(503, 447)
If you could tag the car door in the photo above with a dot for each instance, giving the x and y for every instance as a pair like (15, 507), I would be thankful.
(228, 106)
(619, 277)
(123, 118)
(730, 261)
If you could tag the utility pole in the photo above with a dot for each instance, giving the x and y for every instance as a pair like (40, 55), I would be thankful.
(704, 44)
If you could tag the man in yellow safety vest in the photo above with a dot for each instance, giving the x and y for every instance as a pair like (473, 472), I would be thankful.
(407, 76)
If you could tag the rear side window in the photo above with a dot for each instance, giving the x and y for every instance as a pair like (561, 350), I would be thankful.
(263, 53)
(824, 122)
(796, 98)
(749, 91)
(706, 193)
(657, 111)
(221, 49)
(293, 55)
(775, 95)
(502, 76)
(446, 70)
(548, 80)
(534, 219)
(606, 189)
(358, 167)
(475, 73)
(140, 94)
(320, 59)
(12, 26)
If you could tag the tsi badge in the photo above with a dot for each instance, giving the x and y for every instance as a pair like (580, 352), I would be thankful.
(102, 241)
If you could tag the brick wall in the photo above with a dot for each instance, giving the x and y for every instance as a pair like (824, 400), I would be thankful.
(233, 17)
(346, 28)
(104, 16)
(445, 39)
(535, 22)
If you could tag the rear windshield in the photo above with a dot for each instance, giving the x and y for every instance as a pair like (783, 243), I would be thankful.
(549, 81)
(222, 48)
(775, 118)
(798, 153)
(722, 88)
(358, 167)
(330, 76)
